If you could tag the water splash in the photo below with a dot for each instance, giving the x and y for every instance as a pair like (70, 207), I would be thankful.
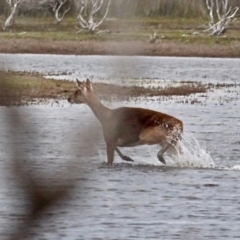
(194, 155)
(235, 168)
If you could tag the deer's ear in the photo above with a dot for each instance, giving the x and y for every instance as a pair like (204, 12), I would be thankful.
(78, 83)
(88, 84)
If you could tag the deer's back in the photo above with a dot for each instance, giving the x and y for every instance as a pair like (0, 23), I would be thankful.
(138, 118)
(126, 124)
(133, 120)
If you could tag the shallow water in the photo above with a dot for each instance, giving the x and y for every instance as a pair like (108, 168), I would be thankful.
(111, 68)
(194, 197)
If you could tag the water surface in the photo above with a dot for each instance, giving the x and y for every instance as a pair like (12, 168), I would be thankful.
(123, 67)
(194, 197)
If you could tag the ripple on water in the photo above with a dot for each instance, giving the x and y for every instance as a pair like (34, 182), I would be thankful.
(195, 197)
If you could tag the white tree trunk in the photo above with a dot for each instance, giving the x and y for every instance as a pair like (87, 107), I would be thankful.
(224, 13)
(14, 6)
(59, 17)
(87, 20)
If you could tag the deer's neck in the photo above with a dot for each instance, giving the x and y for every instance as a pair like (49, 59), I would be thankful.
(100, 111)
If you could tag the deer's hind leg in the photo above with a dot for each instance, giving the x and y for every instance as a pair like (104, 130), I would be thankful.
(155, 135)
(162, 151)
(171, 145)
(175, 150)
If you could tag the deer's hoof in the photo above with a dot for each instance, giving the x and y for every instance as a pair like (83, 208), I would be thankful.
(126, 158)
(162, 160)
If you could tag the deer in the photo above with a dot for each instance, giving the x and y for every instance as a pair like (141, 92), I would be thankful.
(130, 126)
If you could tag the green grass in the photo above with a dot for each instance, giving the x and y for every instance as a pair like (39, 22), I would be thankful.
(22, 85)
(24, 88)
(170, 29)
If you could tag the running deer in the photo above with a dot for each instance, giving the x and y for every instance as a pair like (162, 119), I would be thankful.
(129, 126)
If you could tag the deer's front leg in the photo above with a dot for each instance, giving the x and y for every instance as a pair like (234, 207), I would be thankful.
(110, 153)
(123, 157)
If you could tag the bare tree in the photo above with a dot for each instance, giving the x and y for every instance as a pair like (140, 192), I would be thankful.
(57, 5)
(88, 20)
(153, 37)
(224, 13)
(14, 6)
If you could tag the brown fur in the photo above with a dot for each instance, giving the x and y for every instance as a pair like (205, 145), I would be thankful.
(128, 127)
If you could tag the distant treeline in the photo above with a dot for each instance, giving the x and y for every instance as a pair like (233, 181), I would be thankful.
(173, 8)
(126, 8)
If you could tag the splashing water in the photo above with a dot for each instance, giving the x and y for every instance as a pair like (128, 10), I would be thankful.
(193, 155)
(235, 168)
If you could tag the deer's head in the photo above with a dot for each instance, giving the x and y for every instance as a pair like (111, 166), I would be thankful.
(80, 95)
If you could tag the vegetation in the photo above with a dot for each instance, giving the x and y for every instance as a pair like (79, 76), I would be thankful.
(126, 8)
(141, 27)
(130, 36)
(23, 88)
(20, 88)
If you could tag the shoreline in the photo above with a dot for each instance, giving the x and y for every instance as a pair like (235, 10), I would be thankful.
(21, 89)
(24, 88)
(118, 48)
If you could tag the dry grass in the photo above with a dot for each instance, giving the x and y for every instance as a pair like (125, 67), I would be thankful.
(129, 36)
(162, 48)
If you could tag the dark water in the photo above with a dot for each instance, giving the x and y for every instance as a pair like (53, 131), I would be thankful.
(194, 197)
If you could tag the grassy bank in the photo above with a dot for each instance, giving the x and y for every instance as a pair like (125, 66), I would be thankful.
(23, 89)
(176, 37)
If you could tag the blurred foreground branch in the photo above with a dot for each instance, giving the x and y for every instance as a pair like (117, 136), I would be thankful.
(41, 191)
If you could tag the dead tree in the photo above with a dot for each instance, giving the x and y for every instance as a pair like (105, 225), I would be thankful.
(224, 13)
(153, 37)
(14, 6)
(57, 5)
(88, 21)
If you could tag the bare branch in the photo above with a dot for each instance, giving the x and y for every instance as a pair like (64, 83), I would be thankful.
(96, 7)
(224, 13)
(217, 10)
(105, 15)
(82, 21)
(153, 37)
(88, 21)
(14, 6)
(57, 8)
(210, 7)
